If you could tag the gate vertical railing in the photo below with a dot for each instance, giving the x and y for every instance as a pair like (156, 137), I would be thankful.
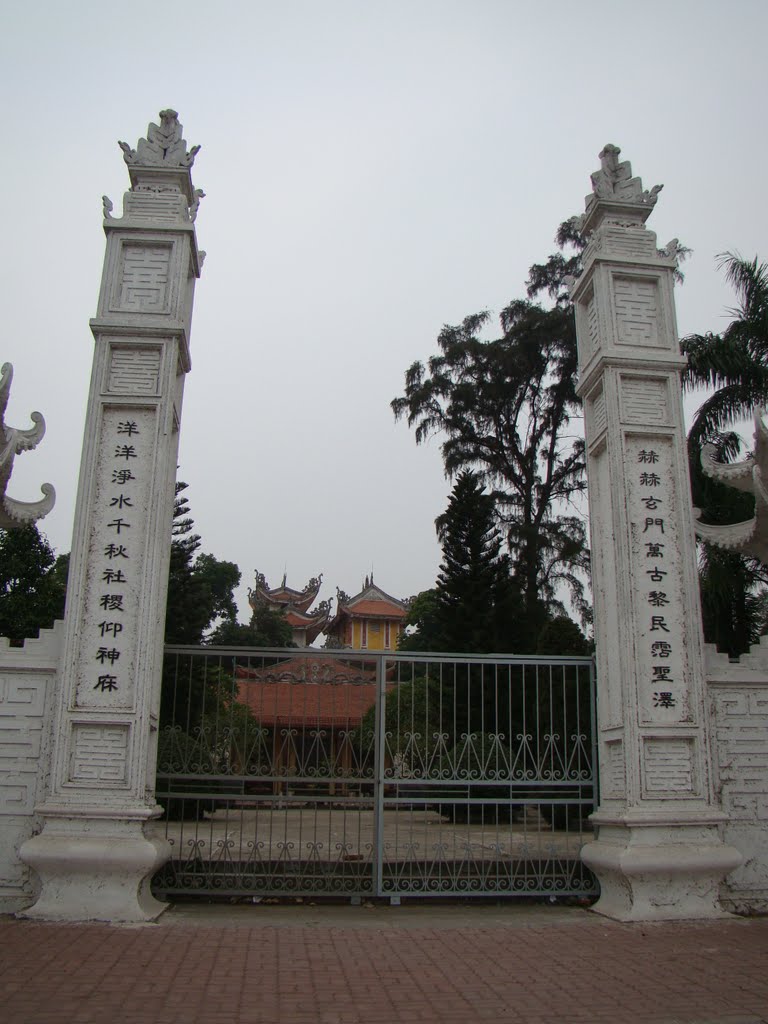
(378, 783)
(303, 772)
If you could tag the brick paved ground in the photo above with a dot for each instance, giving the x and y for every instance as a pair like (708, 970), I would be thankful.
(284, 965)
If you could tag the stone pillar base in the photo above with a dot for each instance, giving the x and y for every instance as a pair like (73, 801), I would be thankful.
(659, 873)
(95, 870)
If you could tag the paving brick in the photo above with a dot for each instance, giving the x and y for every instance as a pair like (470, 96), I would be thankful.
(261, 969)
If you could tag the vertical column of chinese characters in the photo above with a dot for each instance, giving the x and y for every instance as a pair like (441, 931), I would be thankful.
(653, 499)
(116, 554)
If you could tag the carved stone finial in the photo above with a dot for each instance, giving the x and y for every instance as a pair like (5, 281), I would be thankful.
(614, 181)
(163, 146)
(194, 206)
(674, 251)
(14, 514)
(108, 206)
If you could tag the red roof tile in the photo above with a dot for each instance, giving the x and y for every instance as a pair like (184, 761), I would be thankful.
(333, 705)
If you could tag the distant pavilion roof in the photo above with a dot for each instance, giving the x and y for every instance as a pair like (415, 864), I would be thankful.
(284, 596)
(370, 603)
(307, 692)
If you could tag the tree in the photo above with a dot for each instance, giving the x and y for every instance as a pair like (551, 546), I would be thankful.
(733, 586)
(200, 587)
(474, 593)
(561, 636)
(504, 407)
(421, 626)
(33, 584)
(474, 606)
(266, 629)
(734, 364)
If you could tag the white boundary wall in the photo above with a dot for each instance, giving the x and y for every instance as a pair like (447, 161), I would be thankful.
(738, 705)
(27, 684)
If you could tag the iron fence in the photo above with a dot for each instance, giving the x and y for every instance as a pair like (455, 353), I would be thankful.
(305, 772)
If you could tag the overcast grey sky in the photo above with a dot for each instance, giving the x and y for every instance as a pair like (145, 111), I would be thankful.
(373, 170)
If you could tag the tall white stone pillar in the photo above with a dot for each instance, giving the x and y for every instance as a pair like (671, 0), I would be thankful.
(92, 857)
(658, 852)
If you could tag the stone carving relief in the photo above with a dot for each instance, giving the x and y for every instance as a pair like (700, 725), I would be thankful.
(163, 146)
(668, 766)
(133, 371)
(614, 181)
(644, 400)
(617, 224)
(195, 204)
(14, 513)
(673, 250)
(637, 311)
(99, 753)
(596, 413)
(143, 277)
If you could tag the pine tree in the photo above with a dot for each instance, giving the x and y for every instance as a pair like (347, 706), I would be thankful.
(474, 594)
(200, 587)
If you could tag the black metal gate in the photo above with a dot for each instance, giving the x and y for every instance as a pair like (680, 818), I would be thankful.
(304, 772)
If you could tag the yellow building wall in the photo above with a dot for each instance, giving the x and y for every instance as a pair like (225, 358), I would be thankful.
(371, 639)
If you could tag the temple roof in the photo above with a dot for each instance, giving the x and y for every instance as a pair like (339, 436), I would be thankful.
(308, 692)
(341, 705)
(313, 623)
(371, 603)
(284, 596)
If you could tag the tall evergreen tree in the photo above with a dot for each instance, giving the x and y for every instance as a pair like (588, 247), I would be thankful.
(474, 593)
(504, 408)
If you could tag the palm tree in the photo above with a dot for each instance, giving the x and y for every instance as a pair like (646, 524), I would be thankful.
(735, 364)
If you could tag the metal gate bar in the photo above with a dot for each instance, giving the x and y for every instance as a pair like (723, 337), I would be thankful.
(303, 772)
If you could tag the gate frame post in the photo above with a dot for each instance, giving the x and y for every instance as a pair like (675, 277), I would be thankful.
(659, 852)
(93, 858)
(378, 779)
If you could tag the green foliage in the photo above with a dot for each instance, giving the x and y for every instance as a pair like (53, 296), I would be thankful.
(421, 627)
(733, 586)
(200, 587)
(476, 606)
(221, 744)
(734, 363)
(474, 596)
(733, 599)
(561, 637)
(413, 721)
(266, 629)
(33, 584)
(504, 408)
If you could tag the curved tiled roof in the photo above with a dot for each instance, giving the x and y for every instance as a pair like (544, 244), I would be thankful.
(307, 693)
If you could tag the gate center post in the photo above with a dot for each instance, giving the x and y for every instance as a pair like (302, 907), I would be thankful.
(93, 859)
(378, 779)
(659, 851)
